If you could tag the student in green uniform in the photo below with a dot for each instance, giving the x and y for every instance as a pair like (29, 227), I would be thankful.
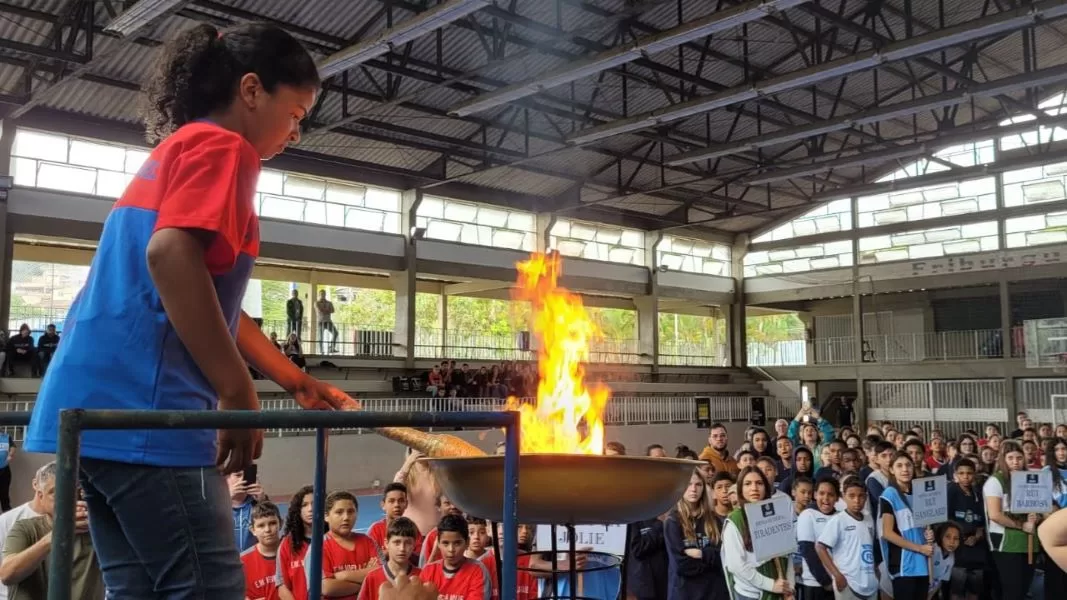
(1009, 534)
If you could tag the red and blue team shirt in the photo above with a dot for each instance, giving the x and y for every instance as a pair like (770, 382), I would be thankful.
(378, 533)
(469, 582)
(291, 572)
(373, 583)
(429, 553)
(489, 560)
(260, 575)
(336, 558)
(201, 177)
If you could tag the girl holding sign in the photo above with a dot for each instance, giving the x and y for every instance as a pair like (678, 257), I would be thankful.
(1056, 462)
(1009, 534)
(692, 535)
(906, 549)
(749, 580)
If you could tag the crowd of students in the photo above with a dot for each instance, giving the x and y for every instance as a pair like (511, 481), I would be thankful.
(854, 525)
(508, 379)
(21, 349)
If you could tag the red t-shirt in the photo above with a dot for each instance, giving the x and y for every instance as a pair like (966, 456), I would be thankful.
(429, 552)
(526, 588)
(336, 558)
(469, 582)
(260, 571)
(378, 531)
(291, 568)
(490, 568)
(375, 579)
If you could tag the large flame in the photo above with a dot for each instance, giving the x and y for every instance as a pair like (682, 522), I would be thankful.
(568, 415)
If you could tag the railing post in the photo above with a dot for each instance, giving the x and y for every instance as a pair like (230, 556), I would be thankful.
(318, 518)
(62, 553)
(511, 508)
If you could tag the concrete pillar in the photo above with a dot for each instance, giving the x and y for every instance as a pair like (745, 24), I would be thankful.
(735, 313)
(313, 335)
(404, 283)
(1004, 289)
(442, 310)
(648, 330)
(7, 141)
(545, 222)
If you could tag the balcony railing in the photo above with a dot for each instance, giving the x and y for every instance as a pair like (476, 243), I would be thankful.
(915, 347)
(621, 411)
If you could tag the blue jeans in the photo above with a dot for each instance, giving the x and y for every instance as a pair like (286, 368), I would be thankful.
(162, 533)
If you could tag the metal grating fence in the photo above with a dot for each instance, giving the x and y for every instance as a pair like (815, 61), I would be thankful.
(1034, 395)
(951, 405)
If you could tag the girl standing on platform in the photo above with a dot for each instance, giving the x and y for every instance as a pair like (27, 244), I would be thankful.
(168, 278)
(749, 580)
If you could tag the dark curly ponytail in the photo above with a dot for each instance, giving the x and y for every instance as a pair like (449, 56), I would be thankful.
(199, 70)
(295, 528)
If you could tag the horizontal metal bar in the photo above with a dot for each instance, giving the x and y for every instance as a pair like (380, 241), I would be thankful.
(239, 419)
(15, 418)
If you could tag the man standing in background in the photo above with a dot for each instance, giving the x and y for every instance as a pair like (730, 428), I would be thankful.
(325, 310)
(294, 313)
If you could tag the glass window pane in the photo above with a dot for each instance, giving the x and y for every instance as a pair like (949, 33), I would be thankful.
(136, 158)
(271, 182)
(460, 213)
(345, 194)
(368, 220)
(68, 179)
(315, 212)
(444, 230)
(431, 206)
(111, 184)
(492, 217)
(387, 200)
(304, 187)
(45, 146)
(102, 156)
(25, 171)
(521, 221)
(282, 208)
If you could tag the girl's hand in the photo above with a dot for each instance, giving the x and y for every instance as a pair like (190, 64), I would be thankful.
(929, 535)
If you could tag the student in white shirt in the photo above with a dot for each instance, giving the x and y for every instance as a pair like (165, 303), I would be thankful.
(846, 546)
(948, 540)
(44, 484)
(747, 579)
(815, 581)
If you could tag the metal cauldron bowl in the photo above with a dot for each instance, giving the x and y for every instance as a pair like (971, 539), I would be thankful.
(569, 489)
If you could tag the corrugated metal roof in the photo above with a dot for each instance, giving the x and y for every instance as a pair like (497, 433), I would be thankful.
(474, 47)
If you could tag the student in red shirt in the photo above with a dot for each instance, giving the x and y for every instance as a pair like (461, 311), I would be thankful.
(394, 503)
(430, 552)
(172, 266)
(455, 576)
(478, 549)
(399, 550)
(292, 579)
(526, 585)
(347, 556)
(260, 562)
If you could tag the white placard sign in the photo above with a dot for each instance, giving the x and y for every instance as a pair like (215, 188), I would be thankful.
(771, 524)
(929, 500)
(599, 538)
(1031, 492)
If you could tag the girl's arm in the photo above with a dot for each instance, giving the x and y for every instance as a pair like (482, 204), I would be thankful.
(1053, 535)
(889, 521)
(994, 509)
(734, 559)
(675, 542)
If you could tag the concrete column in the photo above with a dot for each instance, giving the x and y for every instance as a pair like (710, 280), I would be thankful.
(313, 323)
(1004, 290)
(861, 405)
(404, 283)
(648, 330)
(545, 222)
(7, 141)
(735, 313)
(443, 311)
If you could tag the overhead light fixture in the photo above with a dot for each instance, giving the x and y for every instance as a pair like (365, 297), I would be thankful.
(714, 23)
(594, 133)
(398, 35)
(140, 15)
(1000, 23)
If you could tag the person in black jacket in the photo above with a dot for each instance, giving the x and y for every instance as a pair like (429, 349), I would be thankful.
(693, 534)
(647, 560)
(46, 348)
(20, 350)
(966, 509)
(294, 314)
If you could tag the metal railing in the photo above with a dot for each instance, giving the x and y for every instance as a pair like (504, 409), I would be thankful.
(621, 411)
(73, 422)
(911, 347)
(777, 354)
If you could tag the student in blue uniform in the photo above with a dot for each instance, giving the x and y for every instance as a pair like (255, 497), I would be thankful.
(173, 262)
(906, 548)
